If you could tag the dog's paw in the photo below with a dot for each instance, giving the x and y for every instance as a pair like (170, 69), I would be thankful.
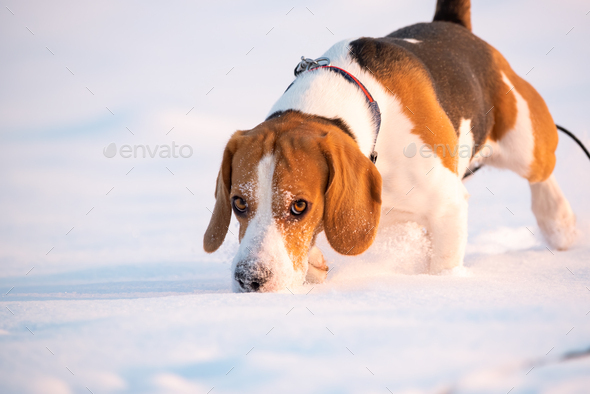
(554, 214)
(317, 270)
(559, 232)
(316, 275)
(445, 265)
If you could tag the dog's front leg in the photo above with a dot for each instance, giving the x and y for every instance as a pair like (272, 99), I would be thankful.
(448, 230)
(317, 270)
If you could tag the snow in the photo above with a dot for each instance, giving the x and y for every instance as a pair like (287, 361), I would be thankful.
(127, 301)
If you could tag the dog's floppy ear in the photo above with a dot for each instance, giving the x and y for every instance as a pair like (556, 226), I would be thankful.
(353, 198)
(221, 218)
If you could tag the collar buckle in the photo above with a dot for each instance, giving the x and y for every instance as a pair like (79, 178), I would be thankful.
(307, 64)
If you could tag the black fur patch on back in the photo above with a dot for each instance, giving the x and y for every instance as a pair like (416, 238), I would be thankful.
(460, 65)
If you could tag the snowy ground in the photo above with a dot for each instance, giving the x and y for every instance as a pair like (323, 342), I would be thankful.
(122, 299)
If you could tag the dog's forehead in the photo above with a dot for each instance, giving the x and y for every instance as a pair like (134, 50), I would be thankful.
(301, 174)
(302, 177)
(298, 165)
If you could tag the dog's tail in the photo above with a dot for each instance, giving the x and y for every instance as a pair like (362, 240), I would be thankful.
(456, 11)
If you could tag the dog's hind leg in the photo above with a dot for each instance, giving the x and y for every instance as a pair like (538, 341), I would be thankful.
(524, 140)
(554, 214)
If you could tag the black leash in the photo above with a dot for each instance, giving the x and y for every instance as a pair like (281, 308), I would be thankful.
(574, 138)
(470, 172)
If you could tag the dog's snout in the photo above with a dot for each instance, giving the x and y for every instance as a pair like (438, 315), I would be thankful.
(251, 277)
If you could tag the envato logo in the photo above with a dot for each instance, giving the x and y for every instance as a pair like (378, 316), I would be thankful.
(144, 151)
(438, 150)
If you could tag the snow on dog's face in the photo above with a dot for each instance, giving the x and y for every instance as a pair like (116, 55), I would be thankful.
(286, 180)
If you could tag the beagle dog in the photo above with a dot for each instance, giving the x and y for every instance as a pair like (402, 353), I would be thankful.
(312, 165)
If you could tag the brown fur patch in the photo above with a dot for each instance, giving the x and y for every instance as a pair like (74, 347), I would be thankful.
(430, 121)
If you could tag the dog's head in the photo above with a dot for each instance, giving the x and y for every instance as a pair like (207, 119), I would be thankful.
(286, 180)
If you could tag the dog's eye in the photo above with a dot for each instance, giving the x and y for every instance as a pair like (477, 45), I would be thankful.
(298, 207)
(239, 204)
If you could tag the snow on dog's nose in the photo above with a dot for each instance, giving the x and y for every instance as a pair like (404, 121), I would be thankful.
(264, 267)
(251, 276)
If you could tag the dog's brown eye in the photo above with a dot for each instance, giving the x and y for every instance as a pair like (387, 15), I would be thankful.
(298, 207)
(240, 205)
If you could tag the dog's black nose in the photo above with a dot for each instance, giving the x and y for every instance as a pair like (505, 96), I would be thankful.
(251, 279)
